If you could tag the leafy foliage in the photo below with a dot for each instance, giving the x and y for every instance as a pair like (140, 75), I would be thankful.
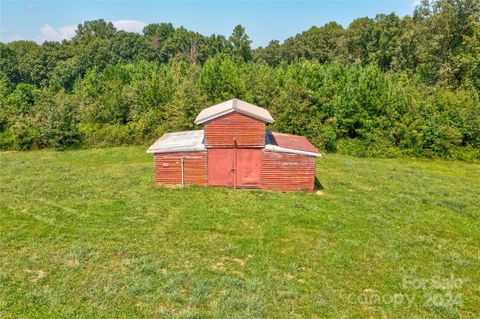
(383, 86)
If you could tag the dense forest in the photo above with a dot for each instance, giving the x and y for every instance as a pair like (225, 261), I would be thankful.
(383, 86)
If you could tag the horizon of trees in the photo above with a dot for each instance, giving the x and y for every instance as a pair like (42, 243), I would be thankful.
(383, 86)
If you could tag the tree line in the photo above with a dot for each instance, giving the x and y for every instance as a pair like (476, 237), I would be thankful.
(386, 86)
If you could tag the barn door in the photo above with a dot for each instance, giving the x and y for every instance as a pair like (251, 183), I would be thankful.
(248, 165)
(234, 167)
(221, 166)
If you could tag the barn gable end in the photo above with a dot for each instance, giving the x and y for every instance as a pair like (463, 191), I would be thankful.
(234, 130)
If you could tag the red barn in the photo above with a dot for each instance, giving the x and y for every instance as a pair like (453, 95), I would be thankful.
(235, 150)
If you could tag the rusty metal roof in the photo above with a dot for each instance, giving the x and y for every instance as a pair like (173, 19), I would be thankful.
(234, 105)
(289, 143)
(186, 141)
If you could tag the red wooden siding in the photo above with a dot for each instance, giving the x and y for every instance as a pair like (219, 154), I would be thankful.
(287, 171)
(168, 168)
(220, 132)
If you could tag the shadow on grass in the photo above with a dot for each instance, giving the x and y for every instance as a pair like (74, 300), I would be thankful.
(318, 186)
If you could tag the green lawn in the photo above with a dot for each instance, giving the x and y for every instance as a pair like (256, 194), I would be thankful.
(85, 234)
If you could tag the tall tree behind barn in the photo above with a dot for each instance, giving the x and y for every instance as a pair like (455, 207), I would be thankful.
(235, 150)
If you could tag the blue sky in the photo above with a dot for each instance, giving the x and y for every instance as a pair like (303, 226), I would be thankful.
(264, 20)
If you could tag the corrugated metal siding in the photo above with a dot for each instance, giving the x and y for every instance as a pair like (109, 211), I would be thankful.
(168, 168)
(287, 172)
(249, 132)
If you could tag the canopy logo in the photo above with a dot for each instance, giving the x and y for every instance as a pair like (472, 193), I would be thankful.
(430, 292)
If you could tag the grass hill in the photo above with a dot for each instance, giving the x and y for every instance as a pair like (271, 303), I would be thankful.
(86, 234)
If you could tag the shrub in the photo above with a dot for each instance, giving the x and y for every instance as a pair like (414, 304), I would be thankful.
(98, 135)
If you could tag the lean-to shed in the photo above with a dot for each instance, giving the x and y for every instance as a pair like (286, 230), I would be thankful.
(235, 150)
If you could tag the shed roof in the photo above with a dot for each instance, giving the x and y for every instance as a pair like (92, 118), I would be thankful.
(289, 143)
(233, 105)
(186, 141)
(192, 141)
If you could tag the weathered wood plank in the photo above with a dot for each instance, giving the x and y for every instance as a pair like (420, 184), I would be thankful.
(168, 168)
(247, 131)
(287, 172)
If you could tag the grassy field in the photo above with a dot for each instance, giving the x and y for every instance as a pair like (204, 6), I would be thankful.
(85, 234)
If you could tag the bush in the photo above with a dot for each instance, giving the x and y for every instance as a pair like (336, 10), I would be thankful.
(350, 109)
(364, 148)
(98, 135)
(24, 134)
(56, 120)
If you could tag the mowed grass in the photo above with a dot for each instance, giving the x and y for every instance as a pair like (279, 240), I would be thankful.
(85, 234)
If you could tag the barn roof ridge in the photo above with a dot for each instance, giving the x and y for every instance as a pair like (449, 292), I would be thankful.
(234, 105)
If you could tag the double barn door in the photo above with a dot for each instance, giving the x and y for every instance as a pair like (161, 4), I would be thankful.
(234, 167)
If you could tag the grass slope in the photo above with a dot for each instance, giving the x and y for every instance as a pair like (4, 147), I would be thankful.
(86, 234)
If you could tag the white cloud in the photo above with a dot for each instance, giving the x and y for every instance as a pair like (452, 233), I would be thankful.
(416, 3)
(48, 33)
(129, 25)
